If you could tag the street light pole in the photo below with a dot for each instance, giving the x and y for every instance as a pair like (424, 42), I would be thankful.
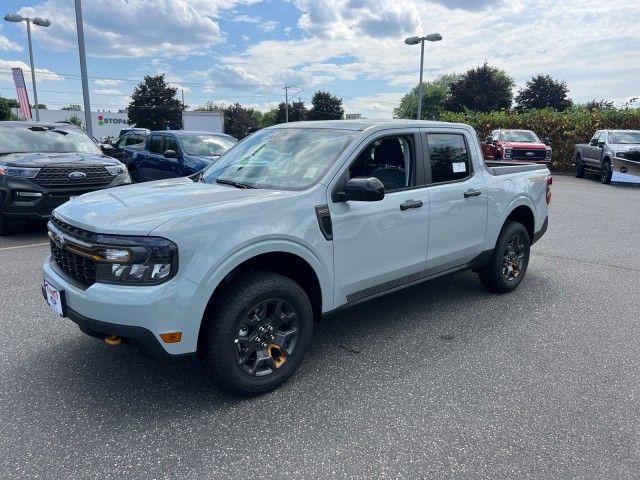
(11, 17)
(83, 68)
(33, 73)
(420, 89)
(432, 37)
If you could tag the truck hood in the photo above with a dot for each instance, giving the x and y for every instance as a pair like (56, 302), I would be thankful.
(140, 208)
(44, 159)
(529, 146)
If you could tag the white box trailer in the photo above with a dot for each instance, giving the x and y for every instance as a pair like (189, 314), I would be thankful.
(203, 121)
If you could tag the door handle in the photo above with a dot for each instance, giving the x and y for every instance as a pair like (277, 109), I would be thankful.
(411, 204)
(472, 193)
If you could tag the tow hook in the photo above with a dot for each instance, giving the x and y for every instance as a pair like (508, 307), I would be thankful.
(113, 340)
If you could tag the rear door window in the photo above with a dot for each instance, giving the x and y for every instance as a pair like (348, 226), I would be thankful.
(449, 157)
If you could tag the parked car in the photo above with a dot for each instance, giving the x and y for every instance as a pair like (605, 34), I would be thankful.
(297, 220)
(609, 151)
(516, 145)
(134, 139)
(42, 165)
(175, 153)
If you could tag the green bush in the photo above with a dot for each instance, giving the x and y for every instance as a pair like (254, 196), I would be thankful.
(565, 129)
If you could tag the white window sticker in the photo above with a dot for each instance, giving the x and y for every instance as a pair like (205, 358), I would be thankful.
(459, 167)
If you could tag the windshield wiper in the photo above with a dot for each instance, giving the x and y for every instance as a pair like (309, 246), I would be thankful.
(232, 183)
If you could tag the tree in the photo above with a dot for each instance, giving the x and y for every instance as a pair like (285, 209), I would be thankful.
(76, 120)
(74, 107)
(154, 106)
(5, 109)
(543, 91)
(481, 89)
(265, 119)
(594, 104)
(209, 107)
(239, 121)
(325, 107)
(434, 94)
(297, 112)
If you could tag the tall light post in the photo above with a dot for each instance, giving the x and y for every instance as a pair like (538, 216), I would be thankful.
(432, 37)
(41, 22)
(83, 68)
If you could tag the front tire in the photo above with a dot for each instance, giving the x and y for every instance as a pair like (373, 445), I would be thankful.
(509, 261)
(579, 167)
(258, 333)
(605, 173)
(5, 227)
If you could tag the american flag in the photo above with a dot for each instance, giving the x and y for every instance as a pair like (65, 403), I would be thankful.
(21, 89)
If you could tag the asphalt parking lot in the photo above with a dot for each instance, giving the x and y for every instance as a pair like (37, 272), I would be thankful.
(443, 380)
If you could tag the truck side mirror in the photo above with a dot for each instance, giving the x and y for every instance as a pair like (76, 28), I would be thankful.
(170, 154)
(362, 189)
(546, 141)
(594, 142)
(489, 140)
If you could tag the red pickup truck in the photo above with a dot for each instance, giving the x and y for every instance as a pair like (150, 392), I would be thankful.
(516, 145)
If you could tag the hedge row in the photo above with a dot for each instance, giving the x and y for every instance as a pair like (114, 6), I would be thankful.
(565, 129)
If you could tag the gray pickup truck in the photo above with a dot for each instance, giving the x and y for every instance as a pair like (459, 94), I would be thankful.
(609, 151)
(297, 220)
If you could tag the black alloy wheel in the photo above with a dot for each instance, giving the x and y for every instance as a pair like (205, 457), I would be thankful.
(267, 337)
(605, 173)
(514, 257)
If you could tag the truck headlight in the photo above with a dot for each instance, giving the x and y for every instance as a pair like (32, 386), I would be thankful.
(116, 169)
(18, 171)
(547, 154)
(620, 154)
(137, 260)
(507, 152)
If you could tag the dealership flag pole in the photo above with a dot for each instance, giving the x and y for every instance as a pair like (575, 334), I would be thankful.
(83, 68)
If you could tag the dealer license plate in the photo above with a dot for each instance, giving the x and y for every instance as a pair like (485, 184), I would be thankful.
(55, 298)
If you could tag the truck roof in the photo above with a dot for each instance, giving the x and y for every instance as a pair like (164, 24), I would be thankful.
(361, 125)
(28, 123)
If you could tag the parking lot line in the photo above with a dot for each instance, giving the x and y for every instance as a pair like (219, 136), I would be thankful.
(24, 246)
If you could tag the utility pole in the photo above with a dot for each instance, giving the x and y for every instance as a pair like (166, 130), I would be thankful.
(286, 103)
(83, 68)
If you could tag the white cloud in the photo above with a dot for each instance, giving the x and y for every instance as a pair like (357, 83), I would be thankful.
(107, 91)
(42, 74)
(7, 45)
(105, 82)
(134, 28)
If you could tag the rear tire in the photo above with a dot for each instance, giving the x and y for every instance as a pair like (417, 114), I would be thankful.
(605, 173)
(257, 333)
(509, 261)
(579, 167)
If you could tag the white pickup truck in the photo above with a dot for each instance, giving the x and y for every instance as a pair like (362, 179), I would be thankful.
(233, 264)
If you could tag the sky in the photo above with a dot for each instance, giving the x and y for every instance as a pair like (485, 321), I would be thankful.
(246, 51)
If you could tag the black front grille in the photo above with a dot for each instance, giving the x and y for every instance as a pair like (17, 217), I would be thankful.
(79, 268)
(94, 176)
(76, 232)
(526, 154)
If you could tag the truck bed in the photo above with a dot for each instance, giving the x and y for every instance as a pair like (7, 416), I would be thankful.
(497, 168)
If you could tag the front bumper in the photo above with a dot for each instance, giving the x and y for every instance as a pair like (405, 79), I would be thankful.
(18, 207)
(138, 314)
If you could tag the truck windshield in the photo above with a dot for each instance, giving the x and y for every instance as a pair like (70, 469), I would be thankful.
(624, 137)
(206, 145)
(281, 158)
(22, 138)
(520, 136)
